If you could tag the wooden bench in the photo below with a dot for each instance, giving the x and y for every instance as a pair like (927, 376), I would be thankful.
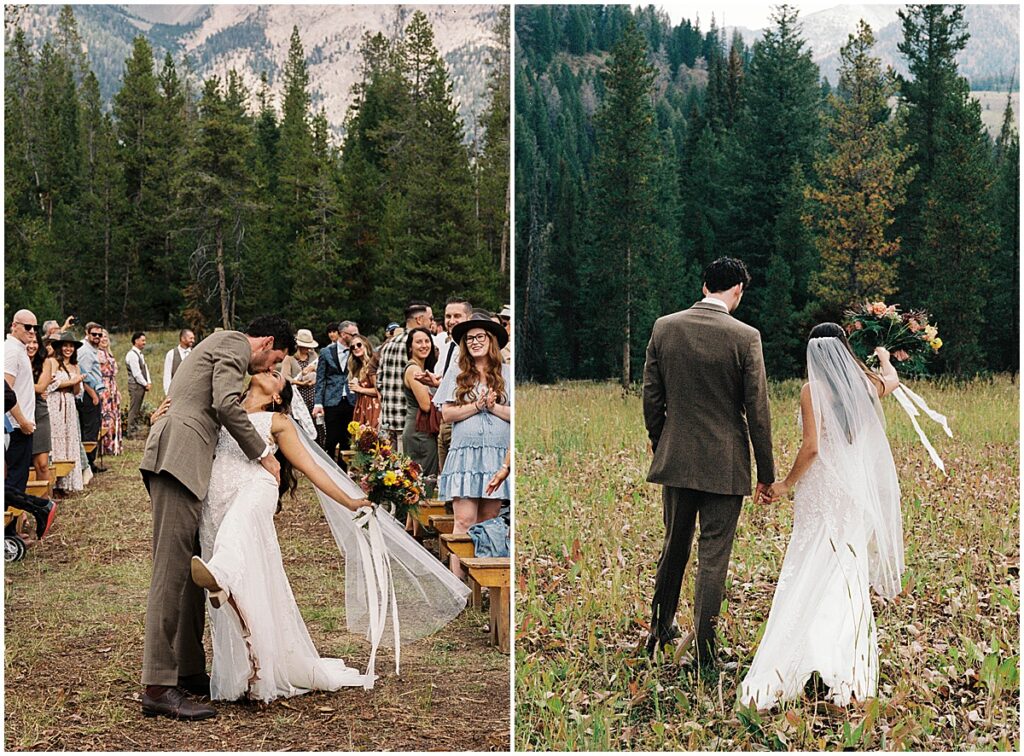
(443, 523)
(459, 544)
(60, 468)
(90, 446)
(494, 574)
(39, 488)
(429, 508)
(347, 455)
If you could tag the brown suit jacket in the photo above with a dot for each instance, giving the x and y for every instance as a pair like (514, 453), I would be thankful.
(205, 395)
(705, 395)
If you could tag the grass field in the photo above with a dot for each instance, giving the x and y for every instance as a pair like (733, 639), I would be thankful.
(588, 535)
(74, 618)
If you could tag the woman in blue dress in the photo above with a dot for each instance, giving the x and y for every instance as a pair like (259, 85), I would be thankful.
(476, 400)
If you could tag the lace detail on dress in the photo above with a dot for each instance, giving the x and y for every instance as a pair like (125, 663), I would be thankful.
(231, 471)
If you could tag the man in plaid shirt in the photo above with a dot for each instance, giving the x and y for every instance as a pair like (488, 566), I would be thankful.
(391, 373)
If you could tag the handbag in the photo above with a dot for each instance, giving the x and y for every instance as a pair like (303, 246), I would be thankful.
(428, 422)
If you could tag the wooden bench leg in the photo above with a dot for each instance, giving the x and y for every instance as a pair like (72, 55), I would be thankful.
(477, 599)
(500, 618)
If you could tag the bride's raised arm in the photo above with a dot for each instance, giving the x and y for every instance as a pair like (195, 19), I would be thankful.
(295, 452)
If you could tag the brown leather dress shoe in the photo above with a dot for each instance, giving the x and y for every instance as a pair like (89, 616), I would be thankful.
(176, 705)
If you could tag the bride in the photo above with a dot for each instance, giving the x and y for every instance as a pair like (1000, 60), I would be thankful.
(847, 534)
(395, 590)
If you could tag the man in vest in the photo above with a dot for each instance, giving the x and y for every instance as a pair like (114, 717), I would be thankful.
(138, 379)
(186, 339)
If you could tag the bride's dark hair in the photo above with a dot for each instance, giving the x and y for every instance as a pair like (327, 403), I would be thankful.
(835, 331)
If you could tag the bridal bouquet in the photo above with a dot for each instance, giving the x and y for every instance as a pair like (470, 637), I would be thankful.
(910, 339)
(908, 336)
(390, 479)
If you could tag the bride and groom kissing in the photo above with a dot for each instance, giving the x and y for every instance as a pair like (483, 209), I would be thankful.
(216, 464)
(705, 403)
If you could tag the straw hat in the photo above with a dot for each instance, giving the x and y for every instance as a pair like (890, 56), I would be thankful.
(304, 338)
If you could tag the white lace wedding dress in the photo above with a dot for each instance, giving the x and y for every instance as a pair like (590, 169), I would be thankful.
(821, 618)
(847, 538)
(267, 653)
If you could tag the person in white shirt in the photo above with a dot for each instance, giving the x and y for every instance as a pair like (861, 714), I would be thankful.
(174, 358)
(138, 379)
(18, 374)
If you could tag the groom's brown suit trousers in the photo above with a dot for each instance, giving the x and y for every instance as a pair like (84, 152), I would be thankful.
(176, 467)
(705, 402)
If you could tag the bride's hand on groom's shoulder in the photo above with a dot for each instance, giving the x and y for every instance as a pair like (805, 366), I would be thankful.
(160, 411)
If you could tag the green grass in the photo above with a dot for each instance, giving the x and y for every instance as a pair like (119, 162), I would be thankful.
(588, 535)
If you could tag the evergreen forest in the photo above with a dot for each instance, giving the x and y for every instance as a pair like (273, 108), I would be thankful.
(186, 204)
(644, 150)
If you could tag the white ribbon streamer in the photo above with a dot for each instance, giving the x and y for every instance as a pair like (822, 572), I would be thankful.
(380, 589)
(907, 400)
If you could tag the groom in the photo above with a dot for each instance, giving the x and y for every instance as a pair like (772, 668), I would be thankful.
(705, 393)
(176, 467)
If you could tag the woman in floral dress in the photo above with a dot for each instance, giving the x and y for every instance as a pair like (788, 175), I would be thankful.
(110, 408)
(65, 436)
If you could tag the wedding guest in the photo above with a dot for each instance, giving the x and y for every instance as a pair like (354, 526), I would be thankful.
(419, 445)
(89, 405)
(174, 358)
(362, 380)
(393, 361)
(506, 320)
(43, 377)
(440, 334)
(65, 433)
(299, 369)
(18, 375)
(110, 408)
(456, 310)
(332, 398)
(476, 399)
(332, 330)
(138, 380)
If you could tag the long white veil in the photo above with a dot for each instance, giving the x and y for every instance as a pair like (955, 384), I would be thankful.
(853, 446)
(395, 590)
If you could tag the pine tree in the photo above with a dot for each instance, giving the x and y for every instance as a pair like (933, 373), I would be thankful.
(1002, 314)
(947, 223)
(295, 158)
(136, 110)
(494, 185)
(101, 202)
(219, 202)
(618, 273)
(862, 182)
(933, 35)
(771, 162)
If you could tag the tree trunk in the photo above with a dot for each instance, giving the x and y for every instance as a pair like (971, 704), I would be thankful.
(503, 264)
(222, 279)
(629, 315)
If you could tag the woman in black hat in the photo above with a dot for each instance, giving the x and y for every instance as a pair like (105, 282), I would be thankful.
(477, 400)
(65, 435)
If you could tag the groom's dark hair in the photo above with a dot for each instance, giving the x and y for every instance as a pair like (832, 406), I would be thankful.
(278, 327)
(724, 273)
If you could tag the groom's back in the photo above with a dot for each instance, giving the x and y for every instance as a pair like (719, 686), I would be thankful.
(704, 372)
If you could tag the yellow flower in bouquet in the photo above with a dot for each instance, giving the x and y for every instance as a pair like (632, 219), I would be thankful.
(353, 429)
(390, 478)
(936, 343)
(930, 333)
